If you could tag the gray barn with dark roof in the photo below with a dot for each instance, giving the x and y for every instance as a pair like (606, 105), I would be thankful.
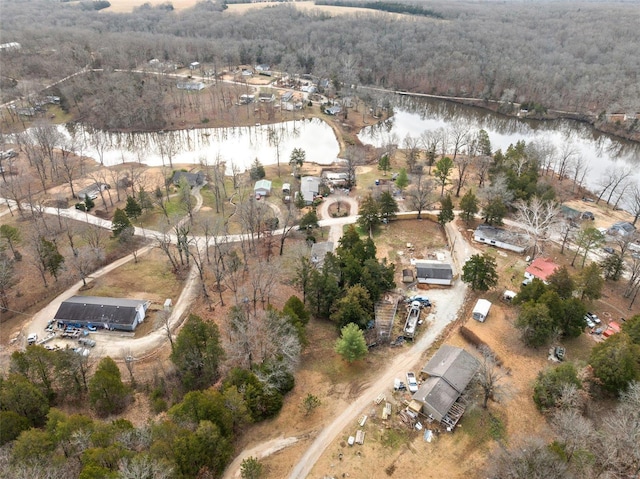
(450, 371)
(107, 313)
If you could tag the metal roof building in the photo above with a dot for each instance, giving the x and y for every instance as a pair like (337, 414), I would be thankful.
(107, 313)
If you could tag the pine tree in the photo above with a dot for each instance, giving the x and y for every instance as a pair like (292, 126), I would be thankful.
(446, 212)
(469, 206)
(132, 208)
(351, 344)
(480, 272)
(120, 222)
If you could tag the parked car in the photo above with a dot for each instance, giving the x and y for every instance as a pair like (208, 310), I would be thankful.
(589, 322)
(597, 331)
(423, 300)
(412, 383)
(588, 215)
(559, 353)
(32, 338)
(608, 249)
(399, 385)
(593, 318)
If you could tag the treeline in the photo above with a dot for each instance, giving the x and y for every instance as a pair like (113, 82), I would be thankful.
(196, 436)
(577, 56)
(391, 7)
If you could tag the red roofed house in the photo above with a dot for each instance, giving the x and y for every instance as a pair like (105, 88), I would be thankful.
(540, 268)
(612, 329)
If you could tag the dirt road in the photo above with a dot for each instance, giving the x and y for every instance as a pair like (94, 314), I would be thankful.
(448, 304)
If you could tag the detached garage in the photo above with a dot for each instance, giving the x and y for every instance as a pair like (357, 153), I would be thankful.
(481, 310)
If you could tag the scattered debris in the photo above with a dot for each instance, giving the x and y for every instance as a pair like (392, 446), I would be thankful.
(360, 436)
(362, 420)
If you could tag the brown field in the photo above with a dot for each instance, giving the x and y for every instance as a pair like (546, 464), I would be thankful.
(125, 6)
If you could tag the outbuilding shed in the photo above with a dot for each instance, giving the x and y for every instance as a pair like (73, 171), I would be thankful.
(500, 238)
(434, 272)
(481, 310)
(262, 188)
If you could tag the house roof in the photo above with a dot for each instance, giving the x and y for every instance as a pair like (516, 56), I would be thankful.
(624, 227)
(541, 268)
(262, 184)
(454, 365)
(438, 395)
(434, 269)
(193, 179)
(500, 234)
(309, 187)
(95, 309)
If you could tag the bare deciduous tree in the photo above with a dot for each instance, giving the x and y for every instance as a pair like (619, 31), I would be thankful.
(538, 218)
(490, 376)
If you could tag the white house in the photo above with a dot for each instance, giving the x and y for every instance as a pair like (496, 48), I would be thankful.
(481, 310)
(500, 238)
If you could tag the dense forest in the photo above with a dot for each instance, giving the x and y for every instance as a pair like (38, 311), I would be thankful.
(574, 55)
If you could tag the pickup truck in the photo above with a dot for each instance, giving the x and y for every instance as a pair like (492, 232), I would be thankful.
(412, 383)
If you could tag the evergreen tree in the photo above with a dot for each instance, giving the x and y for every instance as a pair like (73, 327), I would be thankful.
(257, 171)
(50, 257)
(494, 211)
(480, 272)
(132, 208)
(446, 211)
(369, 214)
(442, 171)
(120, 222)
(616, 362)
(562, 283)
(355, 307)
(89, 204)
(145, 200)
(12, 236)
(590, 282)
(384, 164)
(612, 267)
(107, 393)
(535, 324)
(197, 353)
(402, 181)
(469, 206)
(388, 207)
(351, 345)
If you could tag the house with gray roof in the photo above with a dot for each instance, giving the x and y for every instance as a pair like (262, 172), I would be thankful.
(309, 188)
(434, 272)
(449, 372)
(622, 228)
(501, 238)
(193, 179)
(108, 313)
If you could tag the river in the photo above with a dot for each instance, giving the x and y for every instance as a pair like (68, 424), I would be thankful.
(601, 153)
(240, 146)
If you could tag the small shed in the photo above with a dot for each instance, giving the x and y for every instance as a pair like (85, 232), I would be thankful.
(262, 188)
(508, 295)
(481, 310)
(407, 276)
(194, 65)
